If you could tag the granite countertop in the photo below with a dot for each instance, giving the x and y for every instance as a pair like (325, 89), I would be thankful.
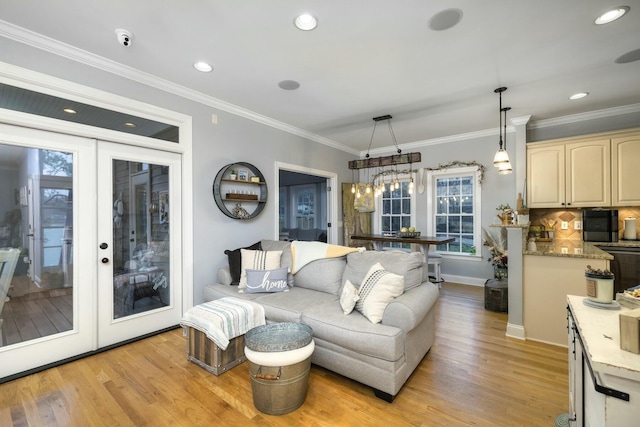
(569, 248)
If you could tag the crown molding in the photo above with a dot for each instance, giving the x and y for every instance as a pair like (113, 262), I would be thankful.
(582, 117)
(50, 45)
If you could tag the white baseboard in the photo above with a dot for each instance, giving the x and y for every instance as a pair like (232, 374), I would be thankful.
(464, 280)
(515, 331)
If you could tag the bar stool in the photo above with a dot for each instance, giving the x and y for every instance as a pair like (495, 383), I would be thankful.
(435, 260)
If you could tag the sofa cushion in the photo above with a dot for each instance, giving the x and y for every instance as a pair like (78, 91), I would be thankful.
(349, 297)
(410, 265)
(354, 332)
(288, 306)
(324, 275)
(217, 291)
(266, 281)
(257, 260)
(378, 288)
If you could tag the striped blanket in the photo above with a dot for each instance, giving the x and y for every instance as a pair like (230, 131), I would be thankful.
(224, 319)
(302, 253)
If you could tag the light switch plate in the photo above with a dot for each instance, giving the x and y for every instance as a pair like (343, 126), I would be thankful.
(565, 225)
(577, 225)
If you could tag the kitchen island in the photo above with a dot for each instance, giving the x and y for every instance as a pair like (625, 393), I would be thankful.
(595, 357)
(551, 272)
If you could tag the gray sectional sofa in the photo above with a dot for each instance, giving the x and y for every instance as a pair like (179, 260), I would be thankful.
(380, 355)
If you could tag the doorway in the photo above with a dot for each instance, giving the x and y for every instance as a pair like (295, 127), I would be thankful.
(63, 294)
(306, 204)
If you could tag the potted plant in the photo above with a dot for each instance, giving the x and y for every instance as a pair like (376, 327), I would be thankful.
(507, 212)
(232, 175)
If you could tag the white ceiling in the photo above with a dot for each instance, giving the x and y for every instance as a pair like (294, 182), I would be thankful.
(365, 59)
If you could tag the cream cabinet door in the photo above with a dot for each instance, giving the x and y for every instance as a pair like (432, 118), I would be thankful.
(546, 176)
(625, 153)
(588, 173)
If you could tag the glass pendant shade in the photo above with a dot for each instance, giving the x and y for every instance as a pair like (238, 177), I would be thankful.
(505, 168)
(501, 157)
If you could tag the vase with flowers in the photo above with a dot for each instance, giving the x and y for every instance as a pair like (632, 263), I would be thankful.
(499, 255)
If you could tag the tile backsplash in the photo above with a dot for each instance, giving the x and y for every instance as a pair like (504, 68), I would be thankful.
(572, 215)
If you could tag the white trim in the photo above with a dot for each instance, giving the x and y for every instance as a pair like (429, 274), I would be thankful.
(464, 280)
(477, 202)
(47, 44)
(516, 331)
(332, 197)
(583, 117)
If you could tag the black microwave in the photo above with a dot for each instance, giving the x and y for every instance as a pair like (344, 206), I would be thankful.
(600, 225)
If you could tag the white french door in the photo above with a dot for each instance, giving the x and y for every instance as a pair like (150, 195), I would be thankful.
(50, 315)
(139, 241)
(85, 281)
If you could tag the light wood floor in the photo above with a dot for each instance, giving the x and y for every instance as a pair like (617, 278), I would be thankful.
(473, 376)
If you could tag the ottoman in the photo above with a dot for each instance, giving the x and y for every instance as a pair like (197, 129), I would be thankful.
(279, 356)
(215, 332)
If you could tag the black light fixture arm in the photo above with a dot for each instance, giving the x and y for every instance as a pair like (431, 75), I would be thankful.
(499, 92)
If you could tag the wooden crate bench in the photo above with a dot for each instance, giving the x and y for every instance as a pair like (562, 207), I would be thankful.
(206, 354)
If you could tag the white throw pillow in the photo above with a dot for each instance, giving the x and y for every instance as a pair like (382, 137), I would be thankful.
(349, 297)
(257, 260)
(377, 290)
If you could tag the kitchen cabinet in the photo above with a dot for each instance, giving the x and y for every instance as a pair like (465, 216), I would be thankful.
(625, 153)
(572, 173)
(599, 170)
(604, 381)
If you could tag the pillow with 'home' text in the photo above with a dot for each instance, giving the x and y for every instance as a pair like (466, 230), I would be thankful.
(267, 281)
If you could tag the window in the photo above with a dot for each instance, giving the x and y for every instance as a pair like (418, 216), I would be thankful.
(454, 209)
(395, 208)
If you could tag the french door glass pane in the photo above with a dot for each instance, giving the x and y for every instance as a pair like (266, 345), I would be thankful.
(36, 242)
(141, 221)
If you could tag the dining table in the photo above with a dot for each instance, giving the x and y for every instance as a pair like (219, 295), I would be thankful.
(423, 243)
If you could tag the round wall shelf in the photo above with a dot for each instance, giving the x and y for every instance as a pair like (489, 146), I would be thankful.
(242, 195)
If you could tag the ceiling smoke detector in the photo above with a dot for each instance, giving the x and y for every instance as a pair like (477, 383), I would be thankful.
(125, 38)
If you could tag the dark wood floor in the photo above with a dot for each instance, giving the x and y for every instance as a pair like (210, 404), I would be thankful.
(473, 376)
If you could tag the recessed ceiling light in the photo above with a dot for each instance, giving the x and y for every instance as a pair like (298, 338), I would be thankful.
(578, 95)
(202, 66)
(289, 85)
(70, 111)
(306, 22)
(612, 15)
(130, 125)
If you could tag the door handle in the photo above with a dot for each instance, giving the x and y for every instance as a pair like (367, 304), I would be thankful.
(105, 260)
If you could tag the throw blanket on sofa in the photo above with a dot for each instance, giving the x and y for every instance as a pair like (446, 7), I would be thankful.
(224, 319)
(302, 253)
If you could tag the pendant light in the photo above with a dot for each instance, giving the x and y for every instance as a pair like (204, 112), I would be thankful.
(505, 168)
(501, 156)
